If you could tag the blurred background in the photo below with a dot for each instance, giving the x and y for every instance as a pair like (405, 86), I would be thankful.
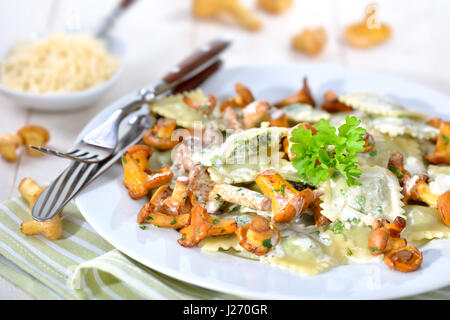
(157, 34)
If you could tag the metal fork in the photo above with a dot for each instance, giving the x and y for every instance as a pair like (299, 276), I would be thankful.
(78, 175)
(89, 172)
(100, 143)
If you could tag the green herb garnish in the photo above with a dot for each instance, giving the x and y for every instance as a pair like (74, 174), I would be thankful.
(282, 190)
(355, 220)
(124, 160)
(143, 227)
(397, 172)
(215, 221)
(218, 196)
(362, 202)
(149, 218)
(267, 243)
(317, 154)
(173, 222)
(373, 153)
(337, 227)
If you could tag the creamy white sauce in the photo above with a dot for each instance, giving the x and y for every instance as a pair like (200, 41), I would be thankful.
(440, 184)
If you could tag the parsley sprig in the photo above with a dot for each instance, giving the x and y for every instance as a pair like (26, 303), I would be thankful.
(328, 151)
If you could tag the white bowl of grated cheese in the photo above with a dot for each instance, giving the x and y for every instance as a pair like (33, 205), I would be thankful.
(68, 94)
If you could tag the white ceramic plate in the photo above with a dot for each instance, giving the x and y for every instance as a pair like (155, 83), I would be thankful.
(111, 212)
(68, 101)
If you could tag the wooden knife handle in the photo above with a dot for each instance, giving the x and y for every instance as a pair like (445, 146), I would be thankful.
(198, 80)
(197, 59)
(124, 4)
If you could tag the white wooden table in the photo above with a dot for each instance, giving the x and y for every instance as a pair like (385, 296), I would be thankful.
(158, 33)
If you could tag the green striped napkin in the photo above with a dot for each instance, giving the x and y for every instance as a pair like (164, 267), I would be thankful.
(82, 265)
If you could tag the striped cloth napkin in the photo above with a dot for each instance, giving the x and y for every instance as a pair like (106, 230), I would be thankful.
(82, 265)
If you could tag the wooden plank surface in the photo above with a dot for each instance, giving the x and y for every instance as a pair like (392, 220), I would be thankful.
(158, 33)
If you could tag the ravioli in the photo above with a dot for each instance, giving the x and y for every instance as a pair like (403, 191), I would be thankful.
(304, 113)
(379, 105)
(173, 107)
(386, 145)
(252, 142)
(246, 154)
(424, 223)
(304, 247)
(246, 173)
(351, 246)
(301, 253)
(222, 243)
(378, 197)
(439, 179)
(402, 126)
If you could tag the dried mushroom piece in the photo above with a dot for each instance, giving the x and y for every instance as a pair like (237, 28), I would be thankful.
(9, 143)
(168, 208)
(208, 9)
(287, 202)
(367, 33)
(444, 208)
(162, 220)
(275, 6)
(385, 239)
(203, 225)
(255, 113)
(385, 236)
(258, 236)
(415, 188)
(179, 195)
(34, 136)
(51, 229)
(303, 96)
(278, 118)
(244, 97)
(203, 107)
(200, 186)
(138, 179)
(435, 122)
(310, 41)
(231, 119)
(369, 143)
(160, 136)
(406, 259)
(333, 105)
(441, 154)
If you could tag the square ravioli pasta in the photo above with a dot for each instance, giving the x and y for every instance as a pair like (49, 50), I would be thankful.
(424, 223)
(386, 145)
(377, 197)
